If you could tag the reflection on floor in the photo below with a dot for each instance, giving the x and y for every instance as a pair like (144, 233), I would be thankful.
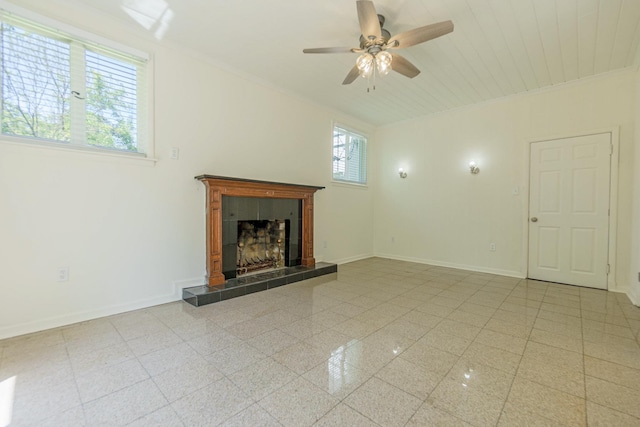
(389, 343)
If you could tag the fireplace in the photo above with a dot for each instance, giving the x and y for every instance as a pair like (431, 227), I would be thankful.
(233, 201)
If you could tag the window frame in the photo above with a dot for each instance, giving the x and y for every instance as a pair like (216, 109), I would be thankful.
(69, 34)
(356, 132)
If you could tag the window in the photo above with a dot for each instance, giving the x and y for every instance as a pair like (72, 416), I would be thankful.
(57, 87)
(349, 156)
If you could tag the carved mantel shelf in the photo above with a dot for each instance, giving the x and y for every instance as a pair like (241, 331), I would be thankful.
(218, 186)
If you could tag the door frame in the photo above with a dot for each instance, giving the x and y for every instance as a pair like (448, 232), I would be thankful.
(613, 196)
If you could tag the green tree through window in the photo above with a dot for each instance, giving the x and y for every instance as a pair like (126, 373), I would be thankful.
(35, 85)
(61, 89)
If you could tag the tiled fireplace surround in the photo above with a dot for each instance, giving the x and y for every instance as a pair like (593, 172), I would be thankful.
(230, 200)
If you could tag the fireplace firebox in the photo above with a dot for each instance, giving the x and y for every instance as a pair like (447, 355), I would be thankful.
(262, 246)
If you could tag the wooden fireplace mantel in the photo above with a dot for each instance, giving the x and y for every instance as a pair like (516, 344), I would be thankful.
(218, 186)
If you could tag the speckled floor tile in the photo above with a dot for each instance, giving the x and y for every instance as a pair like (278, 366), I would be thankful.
(300, 357)
(165, 417)
(429, 415)
(168, 358)
(272, 342)
(103, 381)
(613, 353)
(182, 380)
(614, 396)
(450, 343)
(329, 341)
(73, 417)
(466, 403)
(601, 416)
(336, 376)
(429, 357)
(542, 401)
(39, 403)
(383, 403)
(501, 341)
(235, 357)
(126, 405)
(413, 379)
(493, 357)
(253, 416)
(342, 415)
(555, 340)
(299, 403)
(355, 328)
(206, 407)
(612, 372)
(546, 372)
(263, 378)
(512, 415)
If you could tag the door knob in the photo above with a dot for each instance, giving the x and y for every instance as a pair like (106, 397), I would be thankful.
(534, 219)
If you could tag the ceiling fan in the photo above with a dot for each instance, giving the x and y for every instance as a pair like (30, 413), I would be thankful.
(376, 40)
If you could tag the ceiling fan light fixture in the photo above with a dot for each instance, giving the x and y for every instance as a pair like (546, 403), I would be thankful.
(365, 64)
(383, 62)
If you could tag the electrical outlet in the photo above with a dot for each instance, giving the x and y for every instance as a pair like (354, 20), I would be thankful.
(175, 153)
(324, 244)
(63, 274)
(492, 247)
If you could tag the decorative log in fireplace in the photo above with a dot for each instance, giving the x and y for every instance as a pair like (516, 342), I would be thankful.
(217, 186)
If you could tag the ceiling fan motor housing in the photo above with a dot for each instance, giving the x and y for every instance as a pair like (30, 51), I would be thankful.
(386, 35)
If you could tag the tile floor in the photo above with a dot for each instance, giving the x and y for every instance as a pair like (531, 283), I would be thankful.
(389, 343)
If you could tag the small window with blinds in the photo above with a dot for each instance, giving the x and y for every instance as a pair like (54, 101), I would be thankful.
(349, 156)
(60, 88)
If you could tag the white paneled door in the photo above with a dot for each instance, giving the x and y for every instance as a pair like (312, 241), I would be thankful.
(569, 210)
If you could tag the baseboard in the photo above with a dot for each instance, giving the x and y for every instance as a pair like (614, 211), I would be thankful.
(634, 295)
(351, 259)
(474, 268)
(69, 319)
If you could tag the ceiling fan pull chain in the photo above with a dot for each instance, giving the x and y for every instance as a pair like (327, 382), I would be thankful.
(374, 76)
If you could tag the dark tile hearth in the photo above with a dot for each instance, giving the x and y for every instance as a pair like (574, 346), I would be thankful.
(236, 287)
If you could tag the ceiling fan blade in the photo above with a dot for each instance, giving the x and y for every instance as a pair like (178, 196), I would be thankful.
(328, 50)
(353, 74)
(420, 35)
(368, 18)
(404, 67)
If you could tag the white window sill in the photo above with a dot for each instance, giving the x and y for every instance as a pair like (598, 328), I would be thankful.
(347, 184)
(84, 149)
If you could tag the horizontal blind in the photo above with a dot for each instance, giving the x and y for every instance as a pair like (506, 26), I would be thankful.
(349, 156)
(111, 102)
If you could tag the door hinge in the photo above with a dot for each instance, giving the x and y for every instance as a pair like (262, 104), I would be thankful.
(610, 149)
(608, 268)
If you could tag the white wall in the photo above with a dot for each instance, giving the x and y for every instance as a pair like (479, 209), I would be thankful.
(634, 273)
(130, 230)
(442, 214)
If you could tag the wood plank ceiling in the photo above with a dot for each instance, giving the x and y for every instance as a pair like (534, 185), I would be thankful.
(498, 47)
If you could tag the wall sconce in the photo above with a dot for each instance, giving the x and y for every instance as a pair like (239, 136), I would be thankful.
(473, 167)
(402, 173)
